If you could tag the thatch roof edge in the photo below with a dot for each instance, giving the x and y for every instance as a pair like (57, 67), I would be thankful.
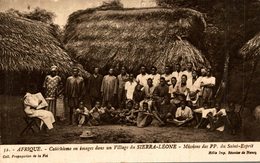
(251, 49)
(24, 41)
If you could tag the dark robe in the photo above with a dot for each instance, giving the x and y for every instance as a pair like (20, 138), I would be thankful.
(138, 95)
(109, 89)
(75, 87)
(161, 91)
(74, 91)
(94, 88)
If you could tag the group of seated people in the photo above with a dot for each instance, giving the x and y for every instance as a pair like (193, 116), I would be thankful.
(181, 98)
(146, 112)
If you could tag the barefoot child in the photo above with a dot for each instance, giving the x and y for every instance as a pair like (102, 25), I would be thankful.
(124, 112)
(144, 117)
(217, 118)
(109, 113)
(183, 115)
(82, 114)
(132, 114)
(95, 114)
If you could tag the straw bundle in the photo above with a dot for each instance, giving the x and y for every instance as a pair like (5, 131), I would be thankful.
(132, 37)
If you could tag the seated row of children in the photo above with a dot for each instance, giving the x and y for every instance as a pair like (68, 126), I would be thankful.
(108, 115)
(219, 118)
(147, 112)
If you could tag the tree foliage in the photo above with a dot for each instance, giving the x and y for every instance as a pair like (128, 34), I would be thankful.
(112, 4)
(37, 14)
(41, 15)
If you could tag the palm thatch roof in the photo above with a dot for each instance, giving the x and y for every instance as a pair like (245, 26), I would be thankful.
(132, 37)
(28, 46)
(251, 49)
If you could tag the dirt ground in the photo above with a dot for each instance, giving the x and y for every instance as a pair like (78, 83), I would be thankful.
(127, 134)
(12, 124)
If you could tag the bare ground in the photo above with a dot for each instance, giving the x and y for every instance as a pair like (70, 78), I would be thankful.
(127, 134)
(12, 124)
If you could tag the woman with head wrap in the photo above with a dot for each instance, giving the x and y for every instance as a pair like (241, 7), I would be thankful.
(51, 86)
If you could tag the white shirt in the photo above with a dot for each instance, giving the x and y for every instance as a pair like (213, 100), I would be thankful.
(188, 74)
(209, 80)
(173, 89)
(205, 112)
(194, 86)
(186, 113)
(167, 78)
(155, 78)
(130, 87)
(142, 79)
(177, 75)
(223, 111)
(198, 83)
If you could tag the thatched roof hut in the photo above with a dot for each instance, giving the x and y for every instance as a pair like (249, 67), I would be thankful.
(30, 46)
(27, 51)
(154, 36)
(250, 71)
(251, 49)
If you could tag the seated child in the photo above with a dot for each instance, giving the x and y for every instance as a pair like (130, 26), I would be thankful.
(109, 113)
(96, 113)
(124, 112)
(201, 114)
(217, 118)
(131, 116)
(144, 117)
(82, 114)
(183, 115)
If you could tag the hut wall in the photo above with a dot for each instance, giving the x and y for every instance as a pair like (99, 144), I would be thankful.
(16, 83)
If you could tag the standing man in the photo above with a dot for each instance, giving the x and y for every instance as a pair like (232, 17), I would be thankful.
(109, 88)
(167, 75)
(188, 71)
(199, 82)
(142, 77)
(52, 87)
(177, 73)
(74, 92)
(194, 87)
(155, 76)
(95, 82)
(122, 79)
(130, 87)
(208, 83)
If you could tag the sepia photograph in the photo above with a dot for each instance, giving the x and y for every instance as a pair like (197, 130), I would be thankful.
(129, 71)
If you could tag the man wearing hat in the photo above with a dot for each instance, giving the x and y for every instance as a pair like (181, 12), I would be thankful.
(52, 85)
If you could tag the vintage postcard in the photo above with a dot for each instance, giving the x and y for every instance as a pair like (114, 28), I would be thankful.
(129, 80)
